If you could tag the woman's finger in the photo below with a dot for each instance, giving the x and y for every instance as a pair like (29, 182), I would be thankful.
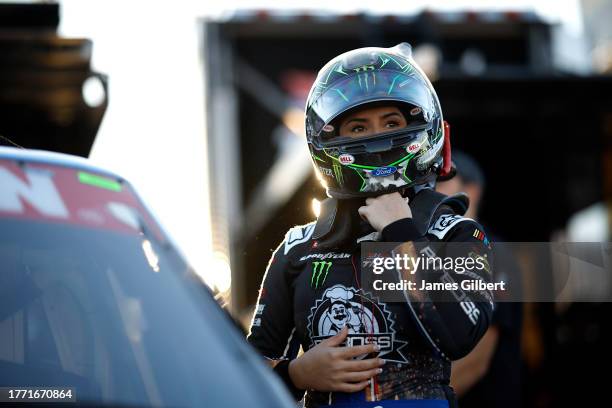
(336, 339)
(358, 376)
(363, 365)
(356, 351)
(363, 212)
(350, 387)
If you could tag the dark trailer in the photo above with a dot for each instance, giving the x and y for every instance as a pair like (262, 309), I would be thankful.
(542, 134)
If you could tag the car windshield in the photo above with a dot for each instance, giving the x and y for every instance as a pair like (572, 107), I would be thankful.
(114, 315)
(94, 297)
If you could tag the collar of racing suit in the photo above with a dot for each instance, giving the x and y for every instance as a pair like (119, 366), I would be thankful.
(424, 206)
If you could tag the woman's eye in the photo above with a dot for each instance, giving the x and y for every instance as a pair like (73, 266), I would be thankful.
(392, 125)
(358, 129)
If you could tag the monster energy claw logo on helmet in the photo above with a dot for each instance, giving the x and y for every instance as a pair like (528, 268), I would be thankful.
(374, 76)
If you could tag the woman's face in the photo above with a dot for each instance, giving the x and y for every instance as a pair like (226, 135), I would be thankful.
(370, 121)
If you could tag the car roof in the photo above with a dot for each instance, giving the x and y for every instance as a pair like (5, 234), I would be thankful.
(53, 158)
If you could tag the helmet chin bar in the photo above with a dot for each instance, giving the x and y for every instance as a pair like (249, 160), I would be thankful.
(406, 190)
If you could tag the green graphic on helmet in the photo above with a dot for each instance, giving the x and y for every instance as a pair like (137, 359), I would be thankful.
(315, 157)
(376, 163)
(338, 173)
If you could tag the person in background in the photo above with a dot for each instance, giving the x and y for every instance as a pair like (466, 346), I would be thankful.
(490, 375)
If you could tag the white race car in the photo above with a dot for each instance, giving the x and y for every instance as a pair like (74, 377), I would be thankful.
(98, 307)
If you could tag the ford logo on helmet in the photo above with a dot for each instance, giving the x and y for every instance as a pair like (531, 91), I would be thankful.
(383, 171)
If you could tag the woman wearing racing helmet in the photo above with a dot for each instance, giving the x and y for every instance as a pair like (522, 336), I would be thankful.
(378, 143)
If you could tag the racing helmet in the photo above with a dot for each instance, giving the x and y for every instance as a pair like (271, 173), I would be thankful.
(382, 163)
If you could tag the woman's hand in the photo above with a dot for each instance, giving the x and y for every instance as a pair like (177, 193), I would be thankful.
(384, 210)
(328, 367)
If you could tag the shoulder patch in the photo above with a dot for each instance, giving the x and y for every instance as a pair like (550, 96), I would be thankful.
(298, 235)
(445, 223)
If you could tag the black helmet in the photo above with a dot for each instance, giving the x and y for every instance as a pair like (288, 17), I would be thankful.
(384, 162)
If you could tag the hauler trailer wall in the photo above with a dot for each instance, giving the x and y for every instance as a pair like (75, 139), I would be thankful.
(542, 135)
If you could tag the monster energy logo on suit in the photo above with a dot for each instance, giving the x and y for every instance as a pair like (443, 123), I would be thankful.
(320, 269)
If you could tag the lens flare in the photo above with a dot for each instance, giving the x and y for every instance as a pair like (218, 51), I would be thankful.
(316, 207)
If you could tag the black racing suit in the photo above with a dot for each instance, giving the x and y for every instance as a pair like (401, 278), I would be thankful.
(303, 299)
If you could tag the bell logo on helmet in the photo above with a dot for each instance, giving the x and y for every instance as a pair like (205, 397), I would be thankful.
(415, 111)
(346, 159)
(413, 147)
(383, 171)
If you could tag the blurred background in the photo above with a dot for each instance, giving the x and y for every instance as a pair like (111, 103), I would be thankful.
(201, 106)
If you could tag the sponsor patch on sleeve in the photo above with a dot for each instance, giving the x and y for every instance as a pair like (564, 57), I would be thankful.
(298, 235)
(260, 309)
(479, 235)
(445, 223)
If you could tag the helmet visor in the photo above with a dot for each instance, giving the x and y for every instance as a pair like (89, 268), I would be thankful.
(366, 87)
